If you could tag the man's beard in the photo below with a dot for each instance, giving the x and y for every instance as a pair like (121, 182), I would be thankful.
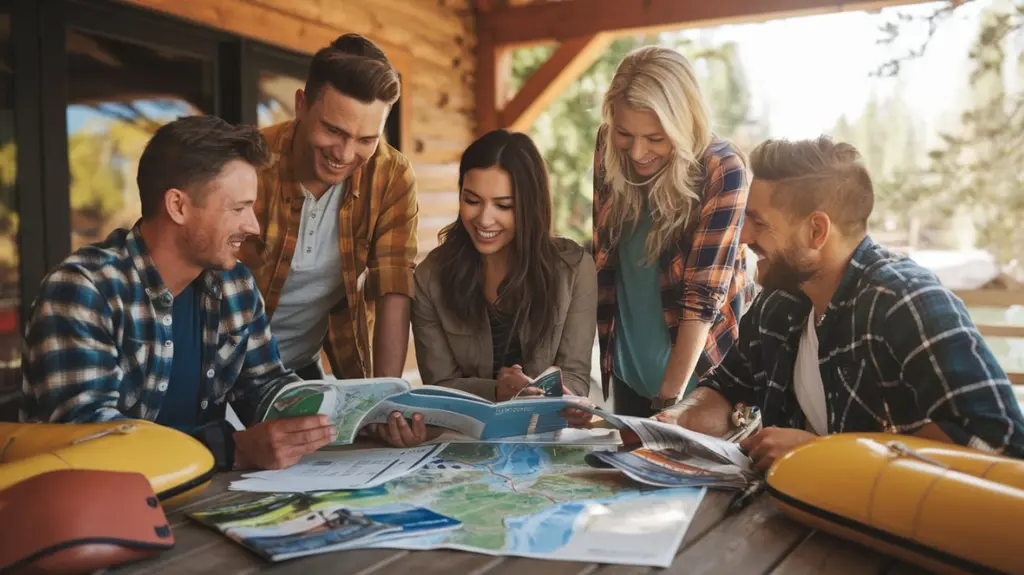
(199, 247)
(787, 272)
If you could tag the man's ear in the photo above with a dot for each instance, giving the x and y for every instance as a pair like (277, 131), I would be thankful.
(820, 228)
(176, 204)
(300, 103)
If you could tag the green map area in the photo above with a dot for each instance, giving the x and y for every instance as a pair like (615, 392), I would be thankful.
(529, 500)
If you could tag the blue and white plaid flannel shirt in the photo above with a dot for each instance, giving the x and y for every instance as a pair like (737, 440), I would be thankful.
(896, 351)
(98, 341)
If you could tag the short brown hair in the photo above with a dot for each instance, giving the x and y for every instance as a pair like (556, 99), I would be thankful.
(189, 152)
(817, 174)
(356, 67)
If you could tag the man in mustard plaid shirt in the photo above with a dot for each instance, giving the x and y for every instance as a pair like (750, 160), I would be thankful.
(338, 213)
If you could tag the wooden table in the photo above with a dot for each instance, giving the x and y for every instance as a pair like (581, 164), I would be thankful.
(758, 539)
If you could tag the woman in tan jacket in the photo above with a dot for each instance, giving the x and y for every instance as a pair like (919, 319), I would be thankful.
(501, 299)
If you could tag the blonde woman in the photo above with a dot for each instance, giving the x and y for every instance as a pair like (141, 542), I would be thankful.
(668, 205)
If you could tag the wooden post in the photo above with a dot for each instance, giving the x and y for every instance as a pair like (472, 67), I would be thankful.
(486, 85)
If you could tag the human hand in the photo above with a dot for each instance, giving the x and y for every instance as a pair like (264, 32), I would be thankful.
(512, 382)
(769, 444)
(397, 432)
(282, 443)
(573, 416)
(670, 414)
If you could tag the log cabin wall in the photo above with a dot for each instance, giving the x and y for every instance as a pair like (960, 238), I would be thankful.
(431, 44)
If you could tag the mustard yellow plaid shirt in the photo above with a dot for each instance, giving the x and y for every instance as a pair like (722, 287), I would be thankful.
(377, 223)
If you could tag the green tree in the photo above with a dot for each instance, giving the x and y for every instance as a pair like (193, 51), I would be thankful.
(977, 171)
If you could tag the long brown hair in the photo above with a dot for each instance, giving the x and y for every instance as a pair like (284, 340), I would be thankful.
(529, 292)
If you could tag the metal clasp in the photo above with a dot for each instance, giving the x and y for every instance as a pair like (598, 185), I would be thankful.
(122, 429)
(900, 448)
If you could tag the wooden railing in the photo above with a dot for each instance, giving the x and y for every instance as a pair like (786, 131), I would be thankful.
(998, 299)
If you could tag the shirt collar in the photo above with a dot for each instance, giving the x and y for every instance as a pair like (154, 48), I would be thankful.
(152, 282)
(851, 277)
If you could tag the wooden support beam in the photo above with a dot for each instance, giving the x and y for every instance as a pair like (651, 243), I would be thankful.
(571, 59)
(560, 21)
(486, 89)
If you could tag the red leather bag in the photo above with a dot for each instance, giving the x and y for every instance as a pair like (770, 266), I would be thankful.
(77, 521)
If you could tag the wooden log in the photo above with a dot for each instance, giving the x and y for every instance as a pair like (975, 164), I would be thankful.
(256, 21)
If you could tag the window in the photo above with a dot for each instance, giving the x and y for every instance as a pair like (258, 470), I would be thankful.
(10, 261)
(277, 97)
(119, 93)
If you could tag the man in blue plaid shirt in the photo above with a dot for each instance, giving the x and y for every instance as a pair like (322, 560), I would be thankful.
(846, 336)
(110, 319)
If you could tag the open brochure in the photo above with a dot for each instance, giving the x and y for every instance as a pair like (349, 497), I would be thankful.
(281, 527)
(354, 403)
(668, 455)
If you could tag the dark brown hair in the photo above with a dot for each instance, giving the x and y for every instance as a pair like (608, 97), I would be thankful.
(356, 67)
(817, 174)
(189, 152)
(529, 292)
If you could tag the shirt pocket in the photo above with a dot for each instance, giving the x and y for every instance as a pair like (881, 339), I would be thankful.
(228, 361)
(856, 402)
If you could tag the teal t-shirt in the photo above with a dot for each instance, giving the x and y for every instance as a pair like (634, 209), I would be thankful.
(642, 344)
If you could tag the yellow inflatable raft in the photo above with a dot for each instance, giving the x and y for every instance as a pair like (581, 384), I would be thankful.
(177, 466)
(944, 507)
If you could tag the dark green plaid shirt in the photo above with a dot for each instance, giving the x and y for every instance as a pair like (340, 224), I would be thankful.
(896, 351)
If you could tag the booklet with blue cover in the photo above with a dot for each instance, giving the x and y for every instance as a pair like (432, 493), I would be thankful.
(354, 403)
(283, 527)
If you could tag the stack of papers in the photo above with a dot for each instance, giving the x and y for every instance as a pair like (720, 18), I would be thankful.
(328, 470)
(667, 455)
(672, 468)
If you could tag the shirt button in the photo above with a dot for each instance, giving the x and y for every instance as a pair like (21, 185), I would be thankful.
(203, 404)
(210, 372)
(313, 215)
(309, 249)
(166, 298)
(168, 343)
(167, 320)
(162, 386)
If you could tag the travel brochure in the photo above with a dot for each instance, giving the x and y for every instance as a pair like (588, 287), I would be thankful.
(353, 404)
(281, 527)
(556, 492)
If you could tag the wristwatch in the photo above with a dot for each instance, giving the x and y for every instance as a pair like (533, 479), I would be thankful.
(660, 403)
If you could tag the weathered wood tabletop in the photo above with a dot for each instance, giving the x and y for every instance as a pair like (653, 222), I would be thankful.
(758, 539)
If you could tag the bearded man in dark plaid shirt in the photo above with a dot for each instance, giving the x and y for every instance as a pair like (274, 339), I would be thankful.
(846, 336)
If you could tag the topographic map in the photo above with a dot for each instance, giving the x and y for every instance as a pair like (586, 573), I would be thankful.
(540, 501)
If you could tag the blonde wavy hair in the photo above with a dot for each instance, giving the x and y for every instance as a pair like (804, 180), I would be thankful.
(662, 81)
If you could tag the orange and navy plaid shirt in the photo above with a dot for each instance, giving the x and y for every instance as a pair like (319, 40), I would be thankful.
(702, 274)
(377, 223)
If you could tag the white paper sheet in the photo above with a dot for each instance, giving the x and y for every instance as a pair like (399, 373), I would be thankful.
(336, 470)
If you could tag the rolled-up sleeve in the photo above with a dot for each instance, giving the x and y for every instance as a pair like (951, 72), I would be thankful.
(392, 256)
(711, 262)
(734, 376)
